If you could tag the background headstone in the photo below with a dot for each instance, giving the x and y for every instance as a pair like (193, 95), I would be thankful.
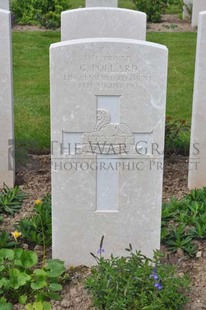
(104, 3)
(4, 4)
(197, 163)
(109, 92)
(187, 6)
(6, 102)
(103, 22)
(198, 6)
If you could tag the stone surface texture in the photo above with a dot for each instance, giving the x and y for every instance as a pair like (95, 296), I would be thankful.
(6, 102)
(4, 5)
(187, 6)
(102, 3)
(103, 22)
(197, 166)
(107, 91)
(198, 6)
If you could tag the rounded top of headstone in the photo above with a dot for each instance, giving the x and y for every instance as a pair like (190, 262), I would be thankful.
(108, 40)
(103, 9)
(103, 22)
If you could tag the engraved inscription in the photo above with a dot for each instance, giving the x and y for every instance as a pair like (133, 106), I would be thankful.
(108, 72)
(108, 138)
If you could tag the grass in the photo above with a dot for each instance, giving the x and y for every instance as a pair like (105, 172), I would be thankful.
(31, 82)
(129, 4)
(31, 88)
(182, 48)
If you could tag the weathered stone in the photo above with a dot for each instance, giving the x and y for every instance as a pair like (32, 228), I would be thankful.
(197, 162)
(104, 3)
(108, 100)
(187, 9)
(103, 22)
(25, 246)
(6, 102)
(4, 5)
(198, 6)
(199, 254)
(180, 252)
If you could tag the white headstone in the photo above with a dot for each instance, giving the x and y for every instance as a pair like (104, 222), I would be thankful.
(4, 5)
(103, 22)
(108, 100)
(197, 163)
(187, 8)
(104, 3)
(6, 102)
(198, 6)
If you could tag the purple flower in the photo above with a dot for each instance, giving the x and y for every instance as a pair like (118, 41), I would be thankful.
(158, 285)
(100, 251)
(154, 274)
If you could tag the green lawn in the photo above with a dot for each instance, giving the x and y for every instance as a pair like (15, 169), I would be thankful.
(31, 82)
(31, 87)
(182, 48)
(129, 4)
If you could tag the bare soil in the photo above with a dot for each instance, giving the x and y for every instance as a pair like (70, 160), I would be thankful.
(169, 23)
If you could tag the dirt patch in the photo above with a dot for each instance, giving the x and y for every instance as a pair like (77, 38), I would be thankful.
(28, 28)
(171, 23)
(35, 179)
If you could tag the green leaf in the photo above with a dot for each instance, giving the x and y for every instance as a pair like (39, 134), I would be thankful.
(55, 287)
(40, 273)
(5, 283)
(2, 268)
(39, 306)
(17, 253)
(47, 305)
(22, 299)
(17, 278)
(35, 306)
(54, 296)
(55, 268)
(40, 283)
(28, 259)
(5, 306)
(7, 253)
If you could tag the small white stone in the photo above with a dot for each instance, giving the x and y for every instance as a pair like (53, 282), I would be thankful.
(25, 246)
(39, 248)
(180, 252)
(199, 254)
(181, 274)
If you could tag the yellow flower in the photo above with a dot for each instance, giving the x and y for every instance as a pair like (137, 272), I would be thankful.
(38, 202)
(16, 235)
